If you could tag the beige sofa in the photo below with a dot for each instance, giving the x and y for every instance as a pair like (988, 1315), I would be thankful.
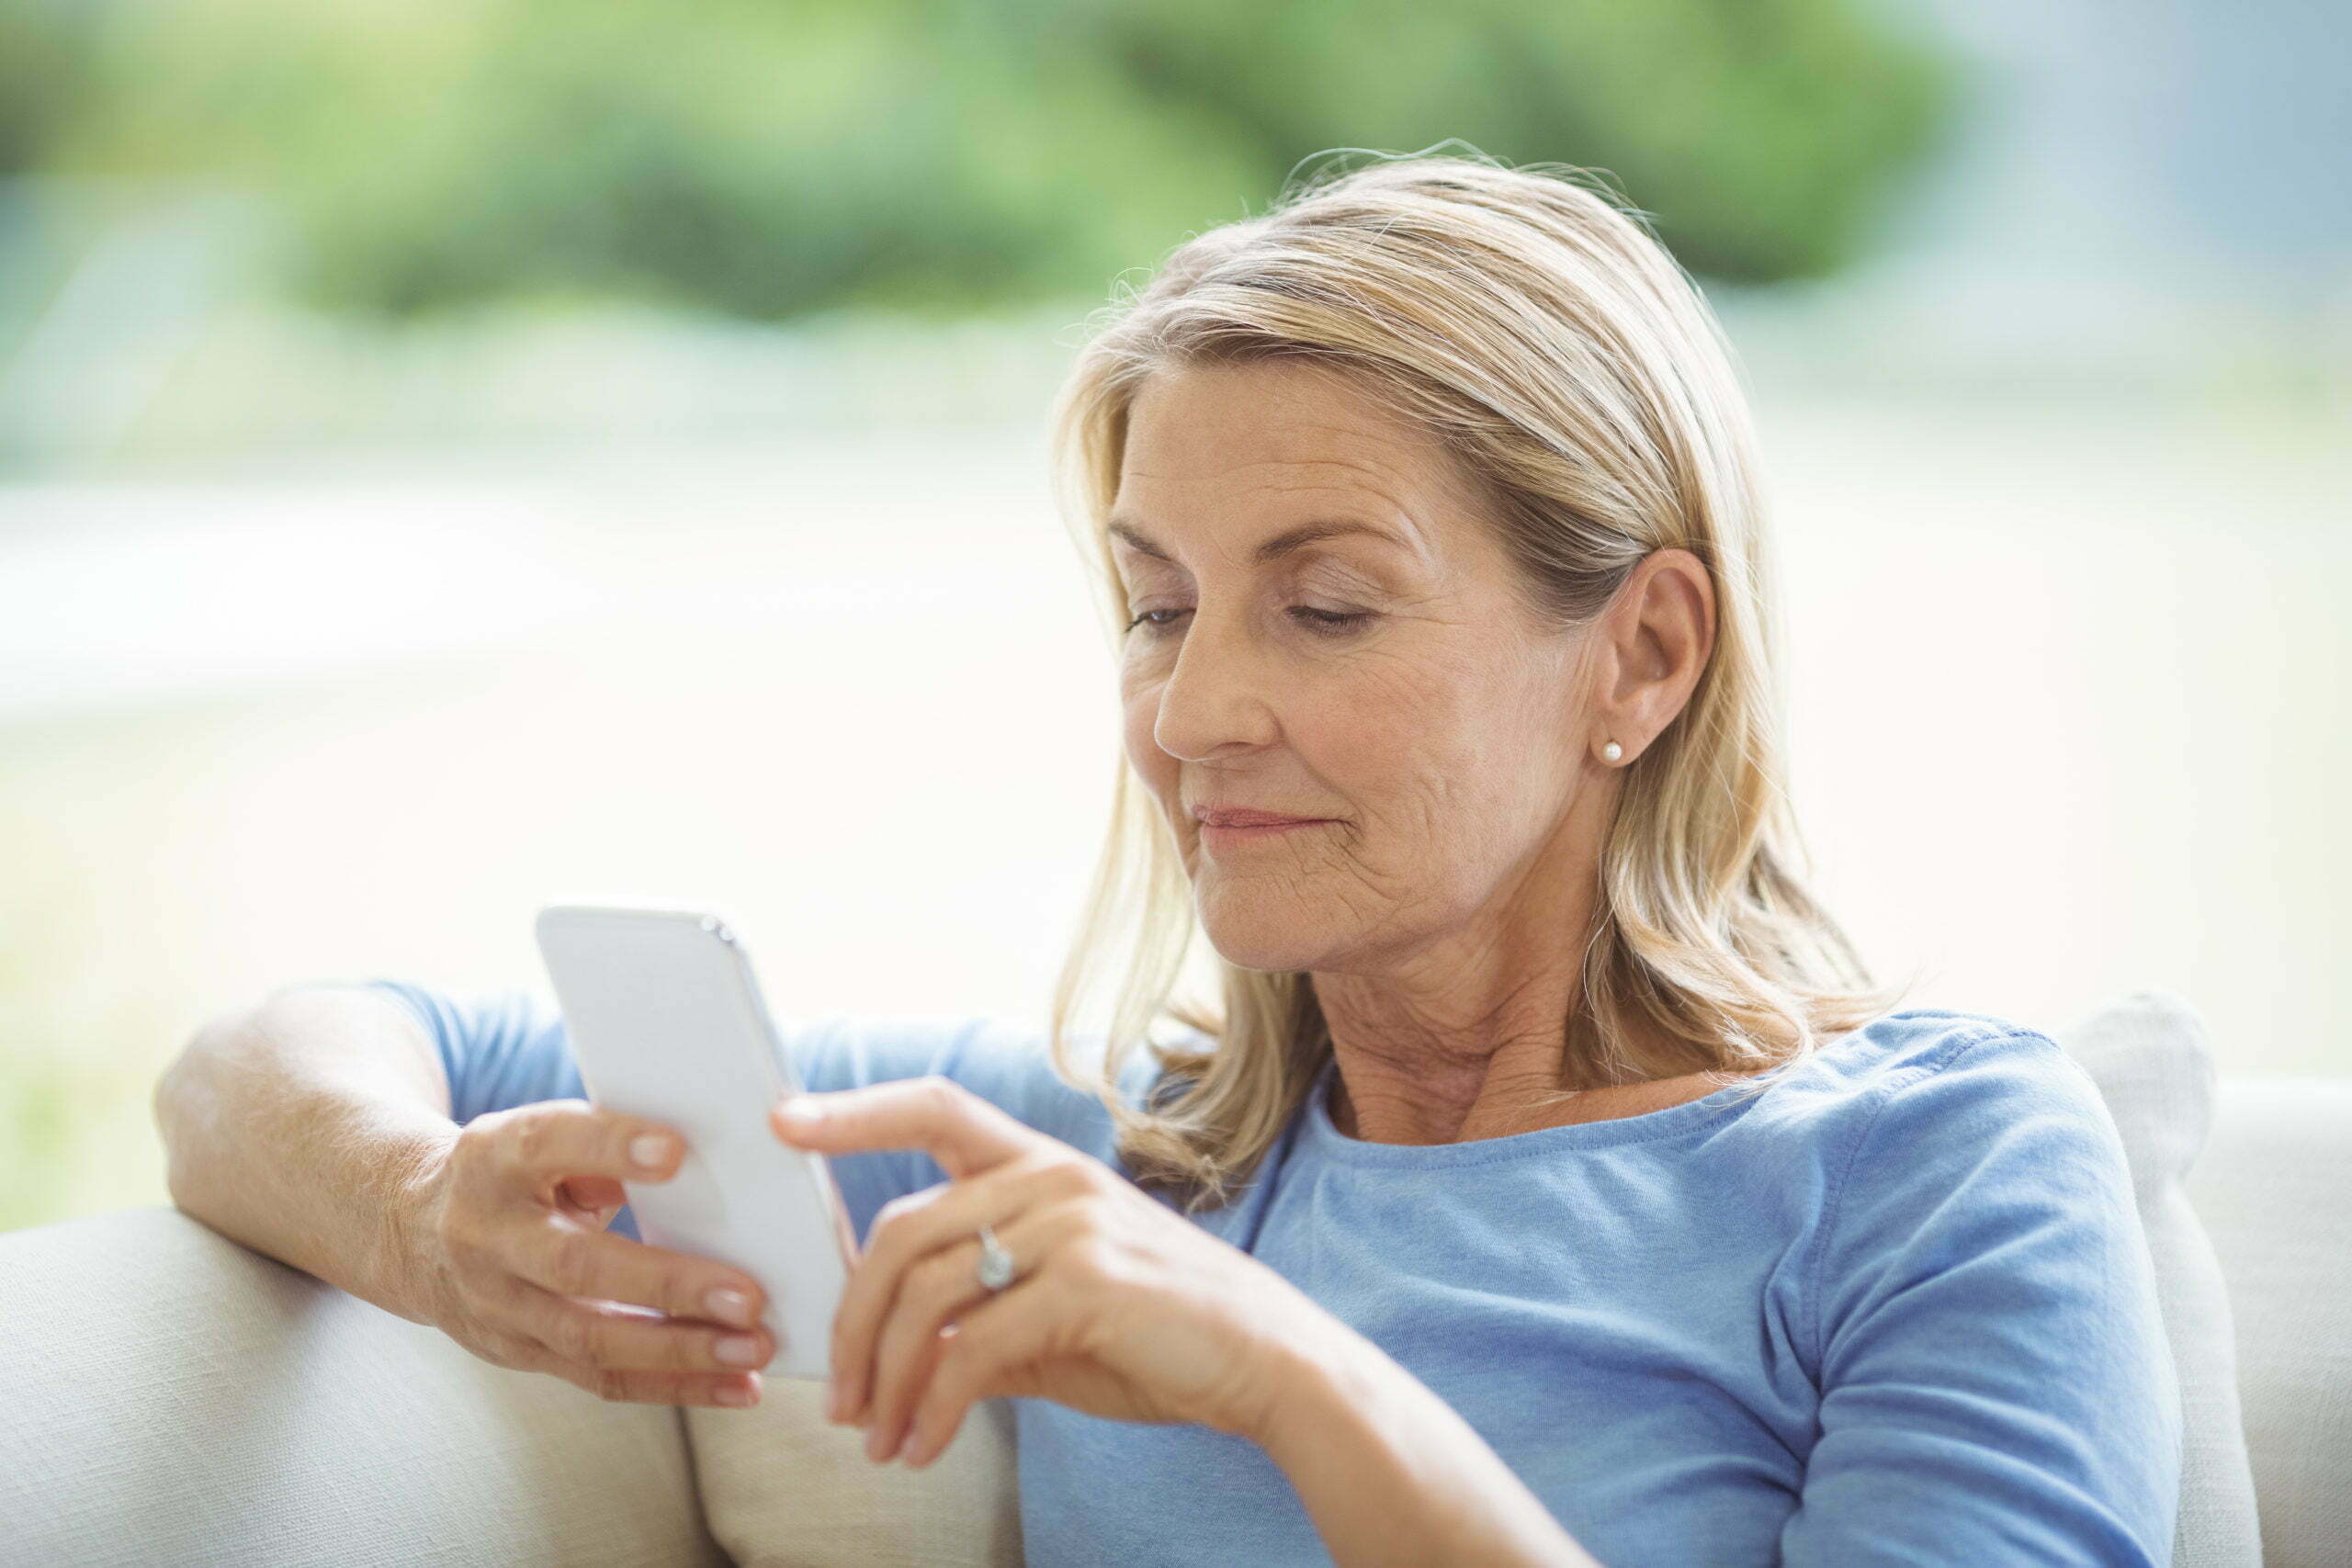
(168, 1396)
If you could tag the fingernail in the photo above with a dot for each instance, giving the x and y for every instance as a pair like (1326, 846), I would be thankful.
(740, 1398)
(739, 1350)
(651, 1150)
(800, 1111)
(730, 1306)
(874, 1445)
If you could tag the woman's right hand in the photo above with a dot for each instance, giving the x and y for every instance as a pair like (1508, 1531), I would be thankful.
(506, 1229)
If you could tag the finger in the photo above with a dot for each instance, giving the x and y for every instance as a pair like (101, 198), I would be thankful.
(560, 1254)
(964, 1132)
(991, 1343)
(614, 1336)
(909, 1228)
(941, 1289)
(731, 1390)
(935, 1292)
(737, 1391)
(542, 1143)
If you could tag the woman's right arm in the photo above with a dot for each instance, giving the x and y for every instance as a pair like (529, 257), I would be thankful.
(316, 1128)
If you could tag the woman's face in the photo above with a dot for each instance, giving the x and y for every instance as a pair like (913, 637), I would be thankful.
(1442, 736)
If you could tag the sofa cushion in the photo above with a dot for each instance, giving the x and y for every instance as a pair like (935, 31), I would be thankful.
(783, 1488)
(2150, 1056)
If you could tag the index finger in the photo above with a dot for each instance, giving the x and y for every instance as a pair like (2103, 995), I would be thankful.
(964, 1132)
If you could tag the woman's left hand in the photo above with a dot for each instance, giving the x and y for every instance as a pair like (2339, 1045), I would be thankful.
(1118, 1307)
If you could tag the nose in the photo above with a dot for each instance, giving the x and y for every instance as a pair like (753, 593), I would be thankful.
(1215, 696)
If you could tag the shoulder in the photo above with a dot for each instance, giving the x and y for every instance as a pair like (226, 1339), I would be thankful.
(1967, 1134)
(1899, 1049)
(1914, 1097)
(1951, 1085)
(1941, 1082)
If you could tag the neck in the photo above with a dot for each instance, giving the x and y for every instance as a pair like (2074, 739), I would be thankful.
(1467, 1039)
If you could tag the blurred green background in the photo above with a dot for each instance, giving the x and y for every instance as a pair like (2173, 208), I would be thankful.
(458, 455)
(767, 161)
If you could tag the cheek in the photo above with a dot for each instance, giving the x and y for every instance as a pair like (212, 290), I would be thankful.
(1440, 753)
(1448, 761)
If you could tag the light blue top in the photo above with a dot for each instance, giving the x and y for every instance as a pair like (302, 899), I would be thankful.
(1897, 1308)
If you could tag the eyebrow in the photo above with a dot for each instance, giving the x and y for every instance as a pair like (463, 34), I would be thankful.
(1281, 545)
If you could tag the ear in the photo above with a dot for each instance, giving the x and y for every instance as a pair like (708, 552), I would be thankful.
(1655, 638)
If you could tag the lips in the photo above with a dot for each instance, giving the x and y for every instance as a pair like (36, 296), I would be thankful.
(1241, 816)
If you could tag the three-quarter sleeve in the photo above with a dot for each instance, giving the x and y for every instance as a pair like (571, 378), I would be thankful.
(1996, 1385)
(499, 1048)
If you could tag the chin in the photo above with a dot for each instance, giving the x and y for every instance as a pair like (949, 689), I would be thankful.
(1262, 937)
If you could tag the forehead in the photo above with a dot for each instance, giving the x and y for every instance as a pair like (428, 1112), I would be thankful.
(1222, 454)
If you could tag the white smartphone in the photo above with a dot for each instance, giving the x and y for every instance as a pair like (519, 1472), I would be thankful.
(666, 1022)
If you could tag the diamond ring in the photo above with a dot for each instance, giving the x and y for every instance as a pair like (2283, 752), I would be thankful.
(996, 1264)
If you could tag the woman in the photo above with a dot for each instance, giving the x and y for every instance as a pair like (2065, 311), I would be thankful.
(1554, 1187)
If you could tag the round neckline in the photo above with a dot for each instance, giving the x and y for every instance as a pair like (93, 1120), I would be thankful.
(1322, 1136)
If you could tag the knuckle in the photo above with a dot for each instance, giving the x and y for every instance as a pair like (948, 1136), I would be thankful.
(940, 1092)
(890, 1219)
(527, 1142)
(572, 1337)
(530, 1356)
(1073, 1179)
(572, 1264)
(482, 1146)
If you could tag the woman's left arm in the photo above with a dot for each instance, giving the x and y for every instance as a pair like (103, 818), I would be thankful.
(1391, 1473)
(1121, 1308)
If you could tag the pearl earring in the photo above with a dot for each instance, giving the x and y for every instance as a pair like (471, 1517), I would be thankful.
(1612, 752)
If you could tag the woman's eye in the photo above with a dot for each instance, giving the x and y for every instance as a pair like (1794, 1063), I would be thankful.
(1320, 619)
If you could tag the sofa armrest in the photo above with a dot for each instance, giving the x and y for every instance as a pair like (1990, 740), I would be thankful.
(172, 1396)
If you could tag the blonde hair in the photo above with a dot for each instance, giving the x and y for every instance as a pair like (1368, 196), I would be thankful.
(1566, 360)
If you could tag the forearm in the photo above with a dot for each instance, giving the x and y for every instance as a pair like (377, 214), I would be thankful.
(1392, 1474)
(300, 1129)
